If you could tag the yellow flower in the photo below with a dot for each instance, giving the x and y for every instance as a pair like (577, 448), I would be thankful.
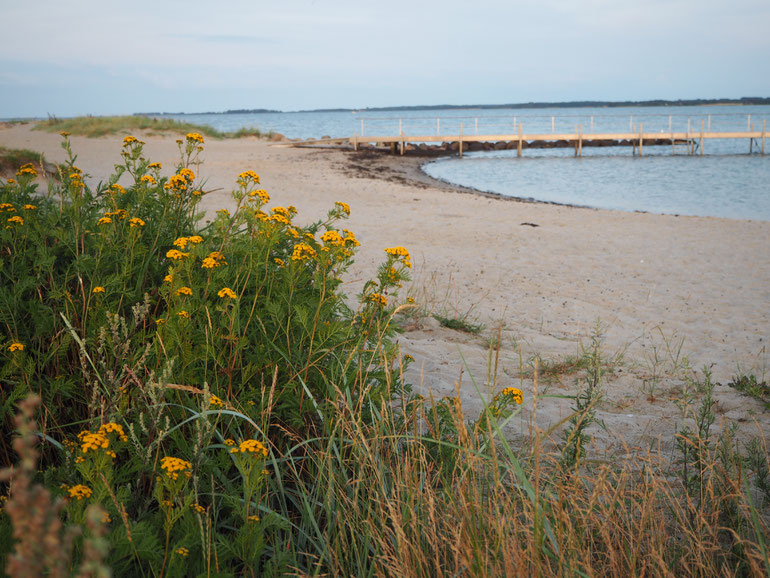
(173, 466)
(27, 170)
(332, 238)
(149, 179)
(344, 206)
(154, 166)
(187, 175)
(90, 441)
(104, 221)
(229, 442)
(514, 393)
(129, 140)
(184, 291)
(195, 239)
(17, 220)
(7, 207)
(16, 346)
(175, 254)
(279, 262)
(198, 508)
(216, 402)
(400, 253)
(253, 519)
(11, 181)
(29, 207)
(118, 189)
(168, 278)
(410, 300)
(194, 136)
(183, 552)
(249, 176)
(181, 242)
(302, 251)
(226, 292)
(176, 182)
(261, 193)
(209, 263)
(254, 448)
(378, 299)
(98, 289)
(80, 492)
(183, 314)
(223, 212)
(64, 133)
(279, 219)
(214, 259)
(136, 222)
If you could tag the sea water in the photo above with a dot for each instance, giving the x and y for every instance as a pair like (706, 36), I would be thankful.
(726, 181)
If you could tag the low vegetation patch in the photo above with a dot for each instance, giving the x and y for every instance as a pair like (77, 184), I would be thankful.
(95, 126)
(186, 400)
(12, 159)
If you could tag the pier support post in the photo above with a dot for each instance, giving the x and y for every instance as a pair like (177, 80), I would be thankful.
(641, 138)
(461, 140)
(518, 149)
(580, 141)
(700, 146)
(764, 130)
(355, 141)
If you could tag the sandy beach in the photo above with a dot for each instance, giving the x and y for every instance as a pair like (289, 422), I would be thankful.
(661, 288)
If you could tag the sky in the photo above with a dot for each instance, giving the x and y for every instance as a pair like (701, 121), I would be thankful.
(104, 57)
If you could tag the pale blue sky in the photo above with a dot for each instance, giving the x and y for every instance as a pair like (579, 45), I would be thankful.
(106, 57)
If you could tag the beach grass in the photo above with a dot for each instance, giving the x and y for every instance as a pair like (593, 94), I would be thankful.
(189, 400)
(96, 126)
(12, 159)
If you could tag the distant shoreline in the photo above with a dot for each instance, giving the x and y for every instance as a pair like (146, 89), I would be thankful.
(744, 101)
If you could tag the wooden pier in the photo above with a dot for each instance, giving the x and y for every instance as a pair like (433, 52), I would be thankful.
(693, 141)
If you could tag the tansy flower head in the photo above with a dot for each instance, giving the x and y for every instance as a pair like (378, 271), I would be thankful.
(226, 292)
(27, 170)
(98, 289)
(184, 291)
(148, 179)
(247, 176)
(254, 448)
(16, 220)
(514, 393)
(279, 262)
(104, 221)
(216, 402)
(136, 222)
(262, 194)
(118, 189)
(187, 174)
(183, 552)
(176, 254)
(183, 314)
(194, 137)
(16, 346)
(154, 166)
(80, 492)
(302, 252)
(181, 242)
(400, 253)
(195, 239)
(343, 206)
(129, 140)
(332, 238)
(378, 299)
(174, 466)
(29, 208)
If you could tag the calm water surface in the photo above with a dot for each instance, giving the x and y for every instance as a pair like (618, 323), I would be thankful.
(725, 182)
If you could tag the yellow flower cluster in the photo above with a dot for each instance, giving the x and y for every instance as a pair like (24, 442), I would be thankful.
(182, 242)
(129, 140)
(80, 492)
(154, 166)
(118, 189)
(176, 254)
(183, 314)
(261, 193)
(104, 221)
(279, 262)
(302, 251)
(98, 289)
(198, 508)
(90, 441)
(16, 346)
(514, 393)
(194, 137)
(177, 182)
(378, 299)
(226, 292)
(350, 238)
(400, 253)
(344, 206)
(214, 259)
(216, 402)
(184, 291)
(16, 220)
(247, 176)
(148, 180)
(7, 207)
(183, 552)
(332, 238)
(27, 170)
(252, 518)
(279, 219)
(119, 213)
(136, 222)
(174, 466)
(29, 208)
(253, 448)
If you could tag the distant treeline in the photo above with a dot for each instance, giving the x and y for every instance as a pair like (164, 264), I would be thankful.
(746, 100)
